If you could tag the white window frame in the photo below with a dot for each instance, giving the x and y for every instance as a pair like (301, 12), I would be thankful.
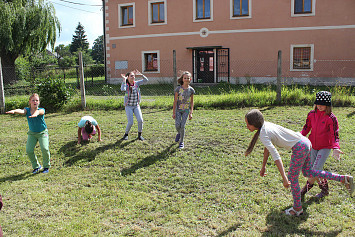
(194, 12)
(313, 13)
(311, 60)
(120, 15)
(239, 17)
(150, 22)
(143, 61)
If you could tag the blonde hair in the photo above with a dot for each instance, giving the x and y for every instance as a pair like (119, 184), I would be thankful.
(181, 78)
(255, 118)
(31, 96)
(328, 109)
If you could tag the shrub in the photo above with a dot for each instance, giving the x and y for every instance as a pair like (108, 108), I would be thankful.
(22, 68)
(54, 93)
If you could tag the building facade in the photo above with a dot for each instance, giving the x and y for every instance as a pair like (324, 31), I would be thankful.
(232, 40)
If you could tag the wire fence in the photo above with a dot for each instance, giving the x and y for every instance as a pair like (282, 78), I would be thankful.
(161, 81)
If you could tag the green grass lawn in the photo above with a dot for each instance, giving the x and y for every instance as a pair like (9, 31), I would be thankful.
(150, 188)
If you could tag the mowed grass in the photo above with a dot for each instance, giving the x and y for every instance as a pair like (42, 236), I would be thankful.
(150, 188)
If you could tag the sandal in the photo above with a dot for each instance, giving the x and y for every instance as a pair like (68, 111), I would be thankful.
(349, 183)
(295, 213)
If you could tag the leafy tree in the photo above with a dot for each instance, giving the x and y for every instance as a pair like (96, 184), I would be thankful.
(79, 41)
(26, 26)
(98, 50)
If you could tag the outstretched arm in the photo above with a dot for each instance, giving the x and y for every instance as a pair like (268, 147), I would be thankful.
(17, 111)
(98, 132)
(36, 113)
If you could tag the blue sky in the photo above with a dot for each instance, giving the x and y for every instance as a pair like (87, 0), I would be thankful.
(71, 12)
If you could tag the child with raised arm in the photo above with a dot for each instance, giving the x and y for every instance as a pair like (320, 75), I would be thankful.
(183, 106)
(271, 134)
(38, 132)
(86, 129)
(323, 125)
(131, 101)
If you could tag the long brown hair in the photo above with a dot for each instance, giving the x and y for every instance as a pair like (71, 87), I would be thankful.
(181, 78)
(328, 109)
(255, 118)
(129, 84)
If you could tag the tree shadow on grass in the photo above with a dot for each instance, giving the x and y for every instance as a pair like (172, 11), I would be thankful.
(149, 160)
(229, 230)
(351, 114)
(16, 177)
(72, 150)
(279, 224)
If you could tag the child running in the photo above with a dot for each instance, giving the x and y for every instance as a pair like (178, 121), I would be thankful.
(270, 135)
(132, 99)
(86, 129)
(183, 106)
(324, 137)
(38, 132)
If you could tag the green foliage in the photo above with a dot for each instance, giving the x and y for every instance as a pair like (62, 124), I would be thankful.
(23, 68)
(98, 50)
(54, 93)
(95, 70)
(79, 41)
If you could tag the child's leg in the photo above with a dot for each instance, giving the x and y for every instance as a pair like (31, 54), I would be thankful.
(30, 148)
(184, 117)
(299, 153)
(84, 134)
(178, 121)
(320, 158)
(129, 113)
(138, 113)
(44, 143)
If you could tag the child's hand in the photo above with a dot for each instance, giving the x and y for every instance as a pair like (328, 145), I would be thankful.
(190, 116)
(286, 183)
(123, 76)
(262, 172)
(174, 115)
(10, 112)
(33, 116)
(137, 73)
(99, 140)
(336, 153)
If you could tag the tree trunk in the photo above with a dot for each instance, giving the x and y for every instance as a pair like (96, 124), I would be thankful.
(8, 67)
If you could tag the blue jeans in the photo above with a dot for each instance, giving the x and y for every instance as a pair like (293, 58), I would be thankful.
(318, 158)
(180, 122)
(136, 110)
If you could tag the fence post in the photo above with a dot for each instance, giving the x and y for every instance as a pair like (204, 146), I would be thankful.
(174, 68)
(278, 93)
(2, 94)
(82, 84)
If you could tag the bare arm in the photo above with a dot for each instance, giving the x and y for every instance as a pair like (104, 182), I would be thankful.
(17, 111)
(79, 135)
(192, 106)
(98, 132)
(36, 113)
(280, 166)
(266, 157)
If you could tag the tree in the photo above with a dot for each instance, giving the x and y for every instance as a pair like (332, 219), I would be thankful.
(79, 41)
(98, 50)
(26, 26)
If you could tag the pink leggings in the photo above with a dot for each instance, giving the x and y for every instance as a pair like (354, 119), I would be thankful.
(300, 159)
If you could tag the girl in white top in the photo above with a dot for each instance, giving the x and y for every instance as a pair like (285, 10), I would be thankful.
(270, 135)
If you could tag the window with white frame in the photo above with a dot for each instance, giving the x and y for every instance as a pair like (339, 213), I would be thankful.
(157, 11)
(240, 9)
(203, 10)
(303, 8)
(302, 57)
(126, 15)
(151, 61)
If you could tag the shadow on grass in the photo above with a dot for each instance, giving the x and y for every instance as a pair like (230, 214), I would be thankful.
(351, 114)
(229, 230)
(17, 177)
(280, 224)
(72, 150)
(149, 160)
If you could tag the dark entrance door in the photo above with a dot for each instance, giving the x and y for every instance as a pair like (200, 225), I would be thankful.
(205, 66)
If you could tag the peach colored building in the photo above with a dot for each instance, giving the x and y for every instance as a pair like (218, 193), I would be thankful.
(232, 40)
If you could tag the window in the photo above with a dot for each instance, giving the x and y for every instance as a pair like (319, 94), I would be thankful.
(203, 10)
(157, 12)
(302, 57)
(240, 8)
(150, 61)
(303, 7)
(126, 14)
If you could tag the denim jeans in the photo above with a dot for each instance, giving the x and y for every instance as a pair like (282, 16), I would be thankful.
(136, 110)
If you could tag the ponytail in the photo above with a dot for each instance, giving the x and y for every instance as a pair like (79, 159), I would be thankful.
(254, 117)
(252, 143)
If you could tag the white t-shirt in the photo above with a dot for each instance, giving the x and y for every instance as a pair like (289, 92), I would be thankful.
(272, 134)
